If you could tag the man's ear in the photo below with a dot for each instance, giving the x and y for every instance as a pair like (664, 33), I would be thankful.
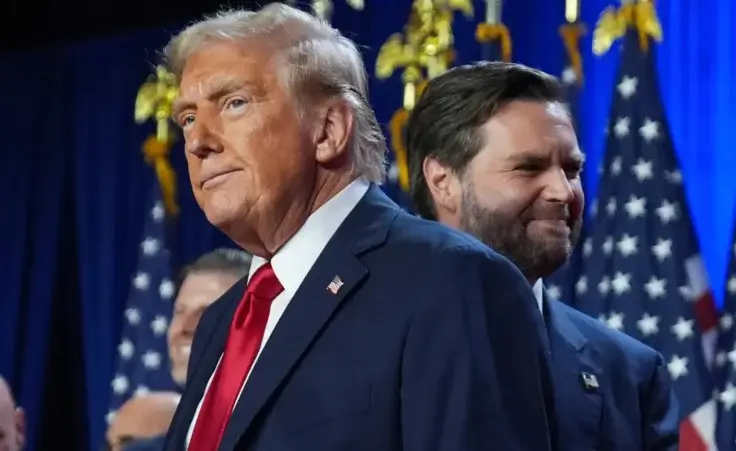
(20, 426)
(334, 129)
(444, 187)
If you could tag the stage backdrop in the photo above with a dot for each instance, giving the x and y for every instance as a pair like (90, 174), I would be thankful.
(74, 185)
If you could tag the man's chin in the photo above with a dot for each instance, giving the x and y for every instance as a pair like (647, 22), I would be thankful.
(554, 259)
(179, 379)
(178, 373)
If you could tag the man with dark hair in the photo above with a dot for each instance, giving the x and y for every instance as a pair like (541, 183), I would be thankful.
(200, 284)
(492, 151)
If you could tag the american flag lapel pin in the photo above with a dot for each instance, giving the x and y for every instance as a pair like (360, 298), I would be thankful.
(335, 285)
(590, 382)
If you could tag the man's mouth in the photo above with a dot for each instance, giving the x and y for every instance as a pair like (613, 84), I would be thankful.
(215, 179)
(183, 351)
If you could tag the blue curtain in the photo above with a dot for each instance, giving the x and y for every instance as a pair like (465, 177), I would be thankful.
(74, 182)
(36, 170)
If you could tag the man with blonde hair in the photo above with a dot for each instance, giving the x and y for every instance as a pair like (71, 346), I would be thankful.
(359, 327)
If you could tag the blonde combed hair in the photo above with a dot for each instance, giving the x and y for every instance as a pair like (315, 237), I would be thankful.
(315, 59)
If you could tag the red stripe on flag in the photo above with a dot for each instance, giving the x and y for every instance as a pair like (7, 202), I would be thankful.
(706, 312)
(690, 439)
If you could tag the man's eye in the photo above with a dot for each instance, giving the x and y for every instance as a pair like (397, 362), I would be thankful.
(236, 103)
(529, 167)
(575, 170)
(187, 120)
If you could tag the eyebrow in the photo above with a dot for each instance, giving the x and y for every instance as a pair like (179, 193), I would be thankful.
(533, 156)
(218, 89)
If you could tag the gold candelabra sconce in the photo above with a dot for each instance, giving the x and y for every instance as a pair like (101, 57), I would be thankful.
(425, 48)
(423, 51)
(154, 102)
(613, 23)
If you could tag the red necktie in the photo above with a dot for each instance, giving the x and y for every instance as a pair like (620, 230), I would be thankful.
(243, 343)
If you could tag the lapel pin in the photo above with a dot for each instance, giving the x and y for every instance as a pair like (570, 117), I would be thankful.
(590, 382)
(335, 285)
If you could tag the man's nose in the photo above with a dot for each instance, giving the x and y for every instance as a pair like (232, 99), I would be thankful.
(203, 139)
(558, 186)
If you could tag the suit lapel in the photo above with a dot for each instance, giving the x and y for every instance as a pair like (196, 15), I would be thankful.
(214, 333)
(576, 377)
(312, 306)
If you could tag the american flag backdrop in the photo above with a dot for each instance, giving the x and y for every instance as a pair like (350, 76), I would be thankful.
(725, 362)
(143, 363)
(641, 268)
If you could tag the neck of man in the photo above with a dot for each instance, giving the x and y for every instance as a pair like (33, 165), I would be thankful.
(533, 276)
(282, 226)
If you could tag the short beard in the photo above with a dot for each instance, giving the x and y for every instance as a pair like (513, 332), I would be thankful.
(507, 236)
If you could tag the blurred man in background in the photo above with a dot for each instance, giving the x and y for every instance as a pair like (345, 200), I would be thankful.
(12, 421)
(200, 284)
(493, 152)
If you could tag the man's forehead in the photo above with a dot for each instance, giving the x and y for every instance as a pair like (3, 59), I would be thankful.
(217, 57)
(206, 281)
(558, 109)
(530, 129)
(532, 110)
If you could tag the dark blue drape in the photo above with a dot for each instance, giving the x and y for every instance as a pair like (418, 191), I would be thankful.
(36, 171)
(74, 182)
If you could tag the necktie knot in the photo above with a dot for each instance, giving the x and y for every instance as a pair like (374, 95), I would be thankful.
(264, 284)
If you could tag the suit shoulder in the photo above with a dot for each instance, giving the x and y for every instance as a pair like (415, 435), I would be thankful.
(614, 344)
(411, 233)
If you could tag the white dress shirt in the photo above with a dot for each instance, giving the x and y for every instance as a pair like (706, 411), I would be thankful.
(295, 259)
(538, 289)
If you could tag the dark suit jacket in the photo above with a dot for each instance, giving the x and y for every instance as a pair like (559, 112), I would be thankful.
(632, 409)
(434, 342)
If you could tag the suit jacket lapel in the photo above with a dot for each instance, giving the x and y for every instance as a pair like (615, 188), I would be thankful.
(312, 307)
(575, 375)
(203, 364)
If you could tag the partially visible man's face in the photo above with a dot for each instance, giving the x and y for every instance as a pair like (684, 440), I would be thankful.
(197, 292)
(245, 146)
(522, 194)
(12, 421)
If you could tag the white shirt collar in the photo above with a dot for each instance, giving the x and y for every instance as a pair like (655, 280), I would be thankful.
(294, 260)
(538, 289)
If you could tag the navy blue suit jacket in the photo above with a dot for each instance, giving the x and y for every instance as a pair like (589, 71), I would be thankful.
(633, 407)
(434, 342)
